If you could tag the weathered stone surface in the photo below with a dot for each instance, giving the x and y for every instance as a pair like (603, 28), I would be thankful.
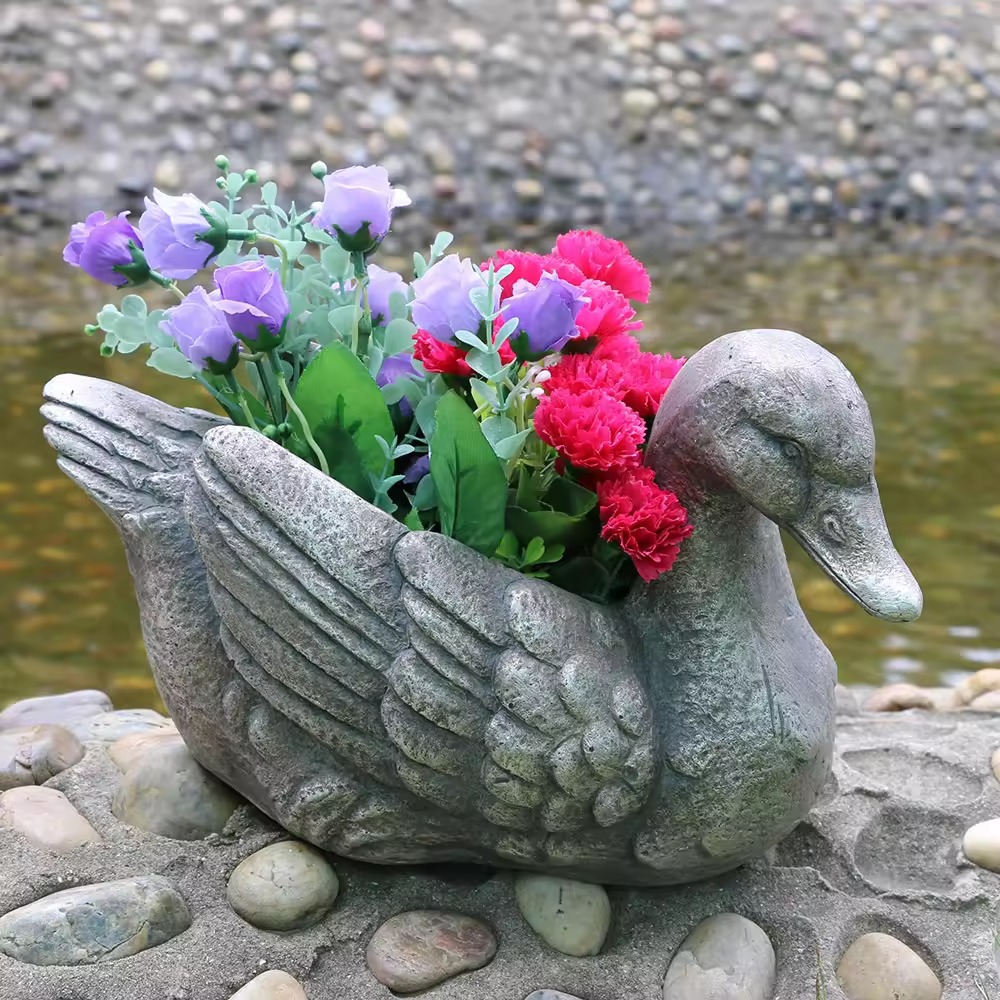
(981, 844)
(726, 957)
(283, 886)
(549, 995)
(55, 709)
(111, 726)
(171, 794)
(46, 818)
(95, 923)
(879, 967)
(421, 948)
(126, 750)
(271, 985)
(573, 917)
(33, 754)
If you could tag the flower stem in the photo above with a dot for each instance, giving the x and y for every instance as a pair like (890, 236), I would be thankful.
(271, 391)
(232, 411)
(293, 408)
(237, 391)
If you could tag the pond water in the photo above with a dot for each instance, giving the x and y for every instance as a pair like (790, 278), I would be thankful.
(922, 338)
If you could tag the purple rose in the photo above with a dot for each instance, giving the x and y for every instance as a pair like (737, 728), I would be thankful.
(102, 247)
(381, 285)
(251, 296)
(395, 367)
(358, 204)
(545, 313)
(441, 303)
(179, 234)
(201, 330)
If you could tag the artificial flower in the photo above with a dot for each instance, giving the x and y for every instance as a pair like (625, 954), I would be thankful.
(578, 373)
(607, 312)
(179, 234)
(201, 330)
(441, 298)
(253, 299)
(106, 249)
(647, 378)
(530, 267)
(357, 205)
(448, 359)
(381, 285)
(546, 315)
(394, 368)
(605, 259)
(591, 431)
(620, 347)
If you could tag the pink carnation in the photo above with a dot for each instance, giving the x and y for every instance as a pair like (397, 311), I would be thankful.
(647, 522)
(530, 267)
(608, 312)
(576, 373)
(646, 378)
(621, 347)
(605, 259)
(591, 431)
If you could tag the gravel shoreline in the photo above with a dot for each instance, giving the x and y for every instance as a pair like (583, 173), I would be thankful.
(683, 122)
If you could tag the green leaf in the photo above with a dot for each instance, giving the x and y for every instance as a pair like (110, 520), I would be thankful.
(442, 241)
(267, 225)
(425, 495)
(336, 393)
(269, 193)
(343, 456)
(412, 520)
(509, 548)
(470, 483)
(467, 337)
(496, 429)
(425, 414)
(511, 447)
(398, 336)
(527, 495)
(344, 319)
(584, 576)
(484, 363)
(419, 265)
(553, 527)
(534, 550)
(398, 306)
(337, 262)
(134, 306)
(569, 497)
(170, 361)
(552, 554)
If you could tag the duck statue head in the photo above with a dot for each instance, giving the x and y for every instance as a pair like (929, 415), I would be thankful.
(395, 697)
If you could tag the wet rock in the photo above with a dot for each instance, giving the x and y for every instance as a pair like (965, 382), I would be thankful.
(283, 887)
(573, 917)
(169, 793)
(128, 749)
(111, 726)
(271, 985)
(981, 844)
(55, 709)
(421, 948)
(95, 923)
(32, 755)
(45, 818)
(724, 956)
(878, 967)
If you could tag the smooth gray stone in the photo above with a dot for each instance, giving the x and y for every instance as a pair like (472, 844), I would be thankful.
(55, 709)
(726, 957)
(283, 887)
(271, 985)
(111, 726)
(33, 754)
(879, 967)
(549, 995)
(171, 794)
(46, 819)
(394, 696)
(95, 923)
(573, 917)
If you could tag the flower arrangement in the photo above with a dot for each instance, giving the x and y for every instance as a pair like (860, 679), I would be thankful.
(506, 404)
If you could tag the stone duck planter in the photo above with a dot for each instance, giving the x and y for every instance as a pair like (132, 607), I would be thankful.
(394, 697)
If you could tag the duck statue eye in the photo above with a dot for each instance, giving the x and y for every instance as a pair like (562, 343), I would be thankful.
(792, 449)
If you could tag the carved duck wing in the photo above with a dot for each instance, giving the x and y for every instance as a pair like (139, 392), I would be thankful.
(456, 683)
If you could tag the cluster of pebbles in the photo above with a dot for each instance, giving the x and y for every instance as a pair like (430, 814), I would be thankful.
(201, 879)
(677, 119)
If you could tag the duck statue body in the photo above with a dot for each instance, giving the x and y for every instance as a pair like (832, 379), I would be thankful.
(394, 697)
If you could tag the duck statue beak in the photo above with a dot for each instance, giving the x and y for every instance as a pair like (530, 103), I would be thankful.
(844, 531)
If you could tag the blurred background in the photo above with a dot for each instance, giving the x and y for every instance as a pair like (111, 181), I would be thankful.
(830, 168)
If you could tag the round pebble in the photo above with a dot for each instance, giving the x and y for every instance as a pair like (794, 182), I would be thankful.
(126, 750)
(878, 967)
(110, 726)
(271, 985)
(573, 917)
(421, 948)
(33, 754)
(169, 793)
(981, 844)
(55, 709)
(726, 956)
(898, 698)
(45, 818)
(283, 887)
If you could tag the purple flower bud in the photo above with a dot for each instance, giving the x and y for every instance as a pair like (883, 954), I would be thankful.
(358, 204)
(201, 331)
(381, 285)
(545, 313)
(251, 296)
(419, 468)
(395, 367)
(441, 303)
(100, 247)
(178, 234)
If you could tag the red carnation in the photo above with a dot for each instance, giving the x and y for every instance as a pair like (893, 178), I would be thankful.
(530, 267)
(608, 313)
(605, 259)
(646, 378)
(647, 522)
(448, 359)
(590, 430)
(621, 347)
(576, 373)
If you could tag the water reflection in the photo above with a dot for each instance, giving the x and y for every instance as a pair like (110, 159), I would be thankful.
(921, 338)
